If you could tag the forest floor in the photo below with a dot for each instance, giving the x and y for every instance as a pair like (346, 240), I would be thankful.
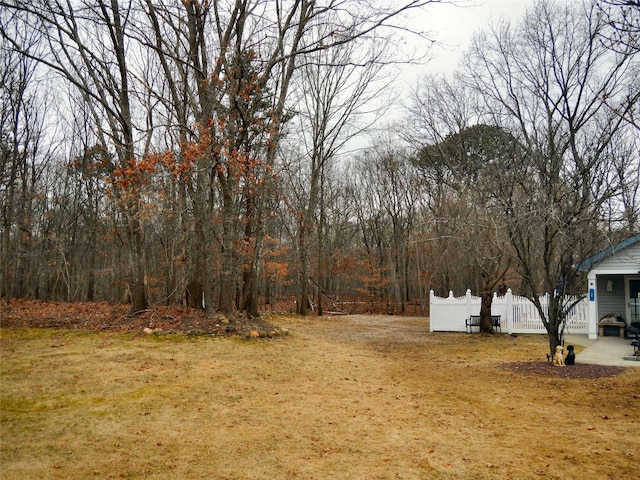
(102, 316)
(344, 397)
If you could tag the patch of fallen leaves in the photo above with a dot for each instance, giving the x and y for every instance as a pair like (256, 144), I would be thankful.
(21, 313)
(580, 370)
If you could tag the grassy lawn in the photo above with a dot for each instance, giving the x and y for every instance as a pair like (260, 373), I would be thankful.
(326, 402)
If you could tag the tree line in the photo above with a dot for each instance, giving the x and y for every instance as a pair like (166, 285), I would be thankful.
(198, 153)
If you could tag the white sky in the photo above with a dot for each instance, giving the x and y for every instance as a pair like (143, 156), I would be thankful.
(454, 25)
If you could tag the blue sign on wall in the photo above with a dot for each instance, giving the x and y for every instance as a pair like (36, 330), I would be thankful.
(592, 295)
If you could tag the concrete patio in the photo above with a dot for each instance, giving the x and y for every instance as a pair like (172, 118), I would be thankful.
(603, 351)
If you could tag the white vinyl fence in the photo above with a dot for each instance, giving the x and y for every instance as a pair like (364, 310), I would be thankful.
(517, 314)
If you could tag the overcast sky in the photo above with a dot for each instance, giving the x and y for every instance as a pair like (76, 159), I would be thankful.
(453, 27)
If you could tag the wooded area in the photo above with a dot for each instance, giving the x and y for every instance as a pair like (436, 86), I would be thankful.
(197, 153)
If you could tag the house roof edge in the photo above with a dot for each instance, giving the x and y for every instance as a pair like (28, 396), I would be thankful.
(588, 263)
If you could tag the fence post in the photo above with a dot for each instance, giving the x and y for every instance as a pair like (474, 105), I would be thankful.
(468, 297)
(431, 295)
(509, 303)
(493, 302)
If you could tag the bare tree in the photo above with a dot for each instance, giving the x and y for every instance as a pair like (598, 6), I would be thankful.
(473, 160)
(337, 89)
(623, 18)
(193, 98)
(457, 160)
(621, 33)
(387, 191)
(257, 47)
(545, 81)
(86, 44)
(22, 160)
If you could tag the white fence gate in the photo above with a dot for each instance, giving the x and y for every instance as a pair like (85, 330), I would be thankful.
(517, 314)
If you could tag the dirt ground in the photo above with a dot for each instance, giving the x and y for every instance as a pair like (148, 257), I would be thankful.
(389, 331)
(102, 316)
(173, 319)
(344, 397)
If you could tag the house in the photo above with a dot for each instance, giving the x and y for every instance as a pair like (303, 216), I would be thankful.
(613, 280)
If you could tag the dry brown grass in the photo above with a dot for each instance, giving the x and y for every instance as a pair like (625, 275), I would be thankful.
(340, 398)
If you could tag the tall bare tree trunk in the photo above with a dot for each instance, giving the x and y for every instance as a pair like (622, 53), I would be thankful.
(486, 299)
(227, 267)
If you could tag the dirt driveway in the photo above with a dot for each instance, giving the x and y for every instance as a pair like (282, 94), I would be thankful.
(380, 330)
